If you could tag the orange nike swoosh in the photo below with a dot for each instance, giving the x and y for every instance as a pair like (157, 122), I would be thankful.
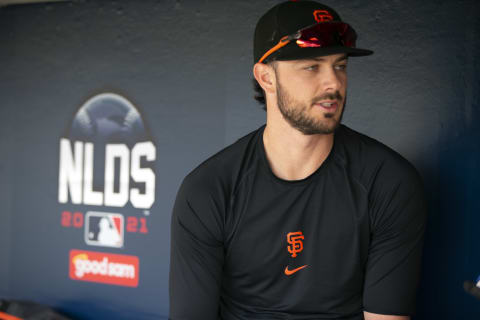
(290, 272)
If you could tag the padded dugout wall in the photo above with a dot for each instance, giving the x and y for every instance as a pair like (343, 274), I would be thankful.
(186, 67)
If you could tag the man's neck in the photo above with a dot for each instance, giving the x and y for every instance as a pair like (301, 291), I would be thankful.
(291, 154)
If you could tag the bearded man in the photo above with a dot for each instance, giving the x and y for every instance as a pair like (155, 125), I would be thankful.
(303, 218)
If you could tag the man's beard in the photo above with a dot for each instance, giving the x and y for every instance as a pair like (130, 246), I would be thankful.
(296, 113)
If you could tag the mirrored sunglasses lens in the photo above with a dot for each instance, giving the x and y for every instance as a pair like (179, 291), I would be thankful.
(327, 34)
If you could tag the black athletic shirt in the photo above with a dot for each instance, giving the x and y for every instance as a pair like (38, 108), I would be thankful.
(350, 235)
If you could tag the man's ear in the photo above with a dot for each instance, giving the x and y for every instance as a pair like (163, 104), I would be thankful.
(265, 76)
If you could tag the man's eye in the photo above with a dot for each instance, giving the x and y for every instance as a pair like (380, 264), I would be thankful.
(311, 68)
(341, 67)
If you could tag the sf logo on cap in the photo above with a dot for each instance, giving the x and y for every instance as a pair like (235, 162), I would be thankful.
(322, 16)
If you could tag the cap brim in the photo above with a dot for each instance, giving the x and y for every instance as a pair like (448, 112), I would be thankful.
(295, 53)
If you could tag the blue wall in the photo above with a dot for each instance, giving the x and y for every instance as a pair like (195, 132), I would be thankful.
(186, 66)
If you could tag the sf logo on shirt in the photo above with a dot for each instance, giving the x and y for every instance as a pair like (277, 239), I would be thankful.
(296, 246)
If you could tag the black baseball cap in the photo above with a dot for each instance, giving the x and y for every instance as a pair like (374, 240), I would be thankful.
(287, 18)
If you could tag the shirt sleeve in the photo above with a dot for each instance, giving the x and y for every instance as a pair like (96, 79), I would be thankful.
(398, 214)
(197, 254)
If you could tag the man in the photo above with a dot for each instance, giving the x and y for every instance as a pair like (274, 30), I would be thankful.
(303, 218)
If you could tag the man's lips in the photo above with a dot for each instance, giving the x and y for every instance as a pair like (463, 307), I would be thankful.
(329, 105)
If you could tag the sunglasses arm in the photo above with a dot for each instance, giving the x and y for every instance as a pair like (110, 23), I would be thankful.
(283, 42)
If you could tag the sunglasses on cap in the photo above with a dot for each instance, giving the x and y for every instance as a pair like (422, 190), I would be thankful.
(319, 35)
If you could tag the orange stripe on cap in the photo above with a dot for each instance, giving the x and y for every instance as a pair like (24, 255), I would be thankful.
(283, 42)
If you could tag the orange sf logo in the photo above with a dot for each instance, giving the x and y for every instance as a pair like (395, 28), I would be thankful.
(295, 239)
(322, 16)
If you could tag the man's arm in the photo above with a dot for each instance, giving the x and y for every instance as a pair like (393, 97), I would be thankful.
(197, 254)
(397, 220)
(376, 316)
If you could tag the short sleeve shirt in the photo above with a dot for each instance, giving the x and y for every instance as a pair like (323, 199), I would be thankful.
(346, 239)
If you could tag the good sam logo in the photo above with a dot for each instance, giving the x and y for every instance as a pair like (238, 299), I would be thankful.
(106, 160)
(106, 268)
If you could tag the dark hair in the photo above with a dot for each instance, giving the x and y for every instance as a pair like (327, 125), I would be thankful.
(259, 92)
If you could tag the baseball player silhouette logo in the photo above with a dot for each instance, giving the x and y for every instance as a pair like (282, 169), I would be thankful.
(104, 229)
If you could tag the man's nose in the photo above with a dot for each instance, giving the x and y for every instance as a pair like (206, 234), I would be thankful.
(330, 80)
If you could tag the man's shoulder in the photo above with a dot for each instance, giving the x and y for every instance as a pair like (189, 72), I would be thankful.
(227, 165)
(369, 158)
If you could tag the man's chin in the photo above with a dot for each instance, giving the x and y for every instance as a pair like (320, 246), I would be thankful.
(318, 128)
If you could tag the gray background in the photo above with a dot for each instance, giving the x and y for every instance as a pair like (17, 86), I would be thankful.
(186, 65)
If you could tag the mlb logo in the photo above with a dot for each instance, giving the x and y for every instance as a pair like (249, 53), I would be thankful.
(104, 229)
